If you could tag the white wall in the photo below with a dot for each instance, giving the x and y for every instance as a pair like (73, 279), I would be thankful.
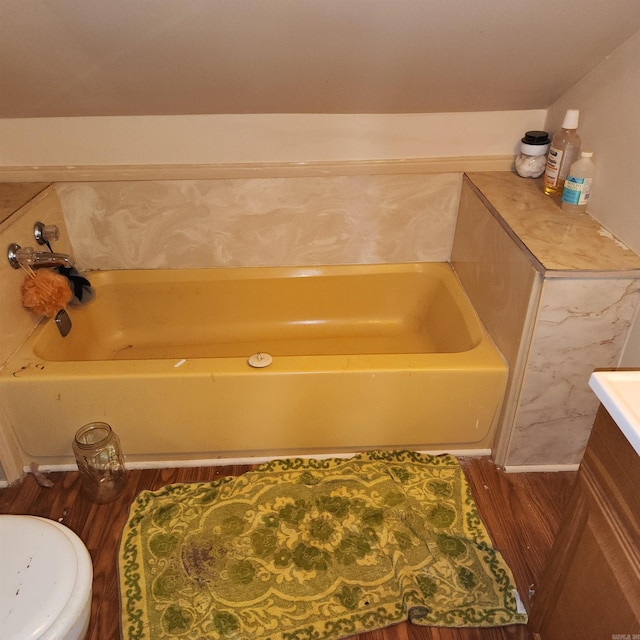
(609, 102)
(295, 138)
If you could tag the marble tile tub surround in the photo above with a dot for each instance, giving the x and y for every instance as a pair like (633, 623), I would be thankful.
(582, 325)
(576, 317)
(15, 322)
(261, 221)
(14, 195)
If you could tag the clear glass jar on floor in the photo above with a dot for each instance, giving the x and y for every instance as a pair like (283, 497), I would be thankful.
(100, 461)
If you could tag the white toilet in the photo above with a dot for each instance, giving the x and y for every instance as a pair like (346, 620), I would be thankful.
(45, 585)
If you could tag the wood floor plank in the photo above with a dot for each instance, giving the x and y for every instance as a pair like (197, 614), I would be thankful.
(521, 511)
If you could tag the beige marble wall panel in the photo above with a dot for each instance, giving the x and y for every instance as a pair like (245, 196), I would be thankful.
(15, 322)
(502, 285)
(262, 222)
(582, 325)
(496, 274)
(14, 195)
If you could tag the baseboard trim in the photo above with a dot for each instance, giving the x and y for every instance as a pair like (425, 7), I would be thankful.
(219, 462)
(104, 173)
(540, 468)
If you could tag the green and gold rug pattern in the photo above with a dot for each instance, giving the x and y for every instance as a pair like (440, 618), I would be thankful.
(312, 550)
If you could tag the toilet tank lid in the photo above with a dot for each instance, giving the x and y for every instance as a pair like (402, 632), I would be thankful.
(39, 564)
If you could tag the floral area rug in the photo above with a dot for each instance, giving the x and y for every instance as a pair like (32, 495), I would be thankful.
(312, 550)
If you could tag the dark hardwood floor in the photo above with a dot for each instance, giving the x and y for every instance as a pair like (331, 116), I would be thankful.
(521, 511)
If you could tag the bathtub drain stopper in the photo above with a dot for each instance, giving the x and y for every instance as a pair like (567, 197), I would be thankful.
(260, 360)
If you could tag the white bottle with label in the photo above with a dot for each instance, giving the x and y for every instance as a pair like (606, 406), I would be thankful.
(577, 186)
(564, 151)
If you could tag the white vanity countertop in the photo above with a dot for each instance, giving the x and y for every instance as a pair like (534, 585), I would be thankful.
(619, 393)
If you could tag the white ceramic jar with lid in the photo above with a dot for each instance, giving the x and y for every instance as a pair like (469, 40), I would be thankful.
(532, 159)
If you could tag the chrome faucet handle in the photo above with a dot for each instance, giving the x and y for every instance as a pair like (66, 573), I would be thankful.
(15, 253)
(27, 256)
(44, 233)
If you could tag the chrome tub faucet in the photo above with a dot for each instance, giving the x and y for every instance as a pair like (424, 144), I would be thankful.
(28, 257)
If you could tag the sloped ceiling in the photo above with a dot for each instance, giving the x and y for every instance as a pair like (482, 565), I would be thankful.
(171, 57)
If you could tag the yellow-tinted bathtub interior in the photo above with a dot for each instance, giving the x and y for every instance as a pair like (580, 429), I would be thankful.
(366, 356)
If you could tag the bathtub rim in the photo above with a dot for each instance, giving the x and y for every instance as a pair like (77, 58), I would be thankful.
(437, 281)
(24, 361)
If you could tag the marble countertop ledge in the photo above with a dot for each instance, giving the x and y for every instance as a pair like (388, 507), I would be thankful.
(560, 244)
